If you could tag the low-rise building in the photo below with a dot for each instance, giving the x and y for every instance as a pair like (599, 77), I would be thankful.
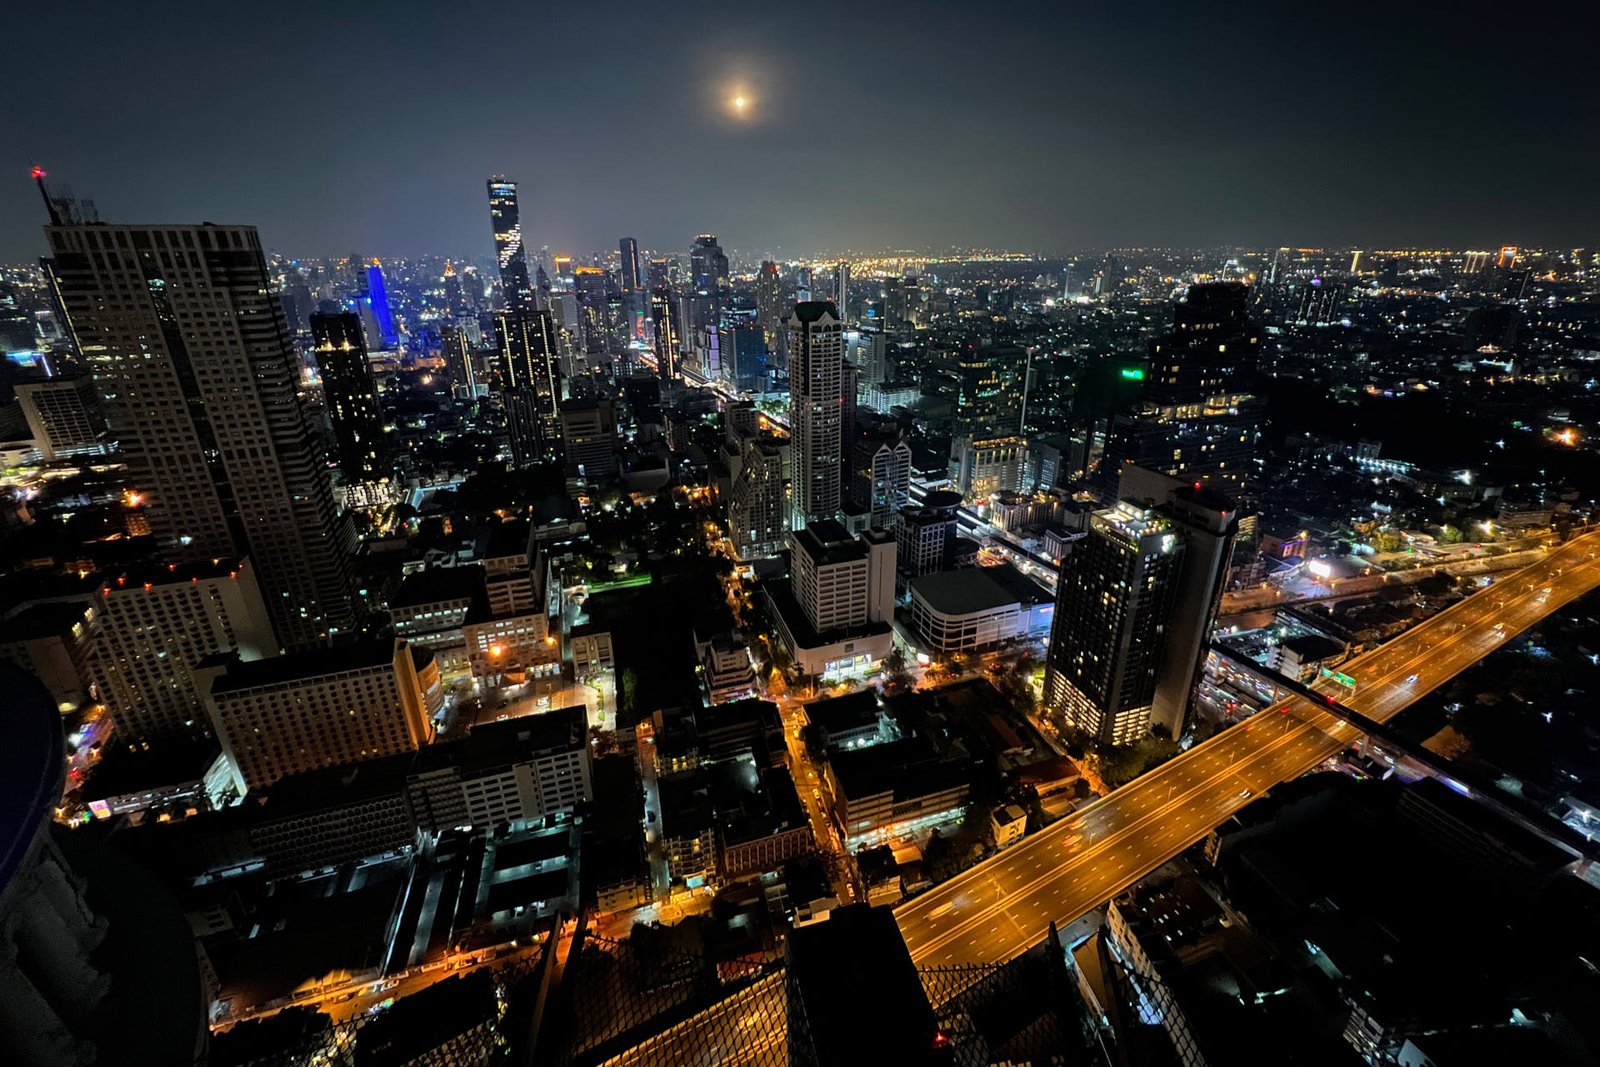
(1007, 825)
(895, 790)
(726, 670)
(522, 770)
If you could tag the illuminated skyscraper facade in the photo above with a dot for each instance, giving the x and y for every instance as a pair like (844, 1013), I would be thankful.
(708, 264)
(816, 383)
(531, 387)
(350, 395)
(191, 352)
(1113, 609)
(506, 217)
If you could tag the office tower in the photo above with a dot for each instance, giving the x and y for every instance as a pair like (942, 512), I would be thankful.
(771, 309)
(193, 356)
(895, 315)
(816, 377)
(458, 357)
(758, 506)
(530, 383)
(665, 331)
(629, 272)
(506, 217)
(382, 313)
(594, 309)
(658, 274)
(742, 350)
(292, 714)
(152, 626)
(982, 466)
(1194, 370)
(63, 417)
(989, 389)
(1198, 420)
(350, 395)
(869, 351)
(841, 289)
(881, 477)
(708, 265)
(802, 285)
(1114, 605)
(588, 437)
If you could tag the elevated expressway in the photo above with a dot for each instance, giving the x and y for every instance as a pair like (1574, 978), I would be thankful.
(1003, 906)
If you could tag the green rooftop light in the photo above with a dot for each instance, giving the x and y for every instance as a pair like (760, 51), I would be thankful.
(1133, 374)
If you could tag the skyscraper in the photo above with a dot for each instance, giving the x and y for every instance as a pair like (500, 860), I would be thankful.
(192, 354)
(1137, 603)
(506, 217)
(770, 310)
(666, 330)
(816, 381)
(1115, 598)
(530, 384)
(708, 265)
(631, 280)
(841, 289)
(1197, 419)
(382, 313)
(758, 508)
(350, 395)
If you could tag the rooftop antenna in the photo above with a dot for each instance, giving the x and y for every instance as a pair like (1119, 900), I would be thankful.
(44, 194)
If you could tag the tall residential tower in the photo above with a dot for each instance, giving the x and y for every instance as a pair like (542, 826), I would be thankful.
(189, 348)
(816, 408)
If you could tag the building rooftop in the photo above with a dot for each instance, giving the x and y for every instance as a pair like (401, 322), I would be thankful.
(814, 310)
(829, 542)
(439, 584)
(852, 711)
(302, 666)
(961, 592)
(498, 743)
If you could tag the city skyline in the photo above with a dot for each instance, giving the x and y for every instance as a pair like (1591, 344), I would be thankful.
(1098, 133)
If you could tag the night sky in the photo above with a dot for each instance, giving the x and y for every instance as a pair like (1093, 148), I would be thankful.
(352, 127)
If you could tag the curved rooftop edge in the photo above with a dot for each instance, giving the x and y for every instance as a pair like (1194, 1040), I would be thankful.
(33, 767)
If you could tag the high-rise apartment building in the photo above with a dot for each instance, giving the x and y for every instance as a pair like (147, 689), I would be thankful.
(816, 382)
(1113, 610)
(982, 466)
(771, 309)
(350, 396)
(506, 217)
(150, 628)
(191, 353)
(321, 709)
(530, 383)
(841, 289)
(63, 417)
(1209, 522)
(758, 506)
(881, 477)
